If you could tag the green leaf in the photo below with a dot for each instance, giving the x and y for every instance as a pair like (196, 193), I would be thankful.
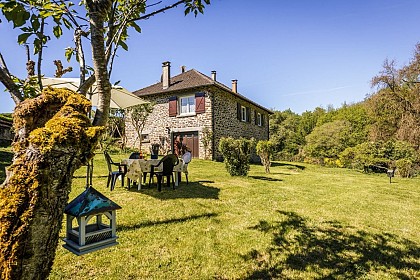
(23, 37)
(123, 45)
(69, 53)
(57, 31)
(67, 23)
(136, 27)
(37, 45)
(35, 23)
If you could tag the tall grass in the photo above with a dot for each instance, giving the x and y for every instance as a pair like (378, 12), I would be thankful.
(298, 222)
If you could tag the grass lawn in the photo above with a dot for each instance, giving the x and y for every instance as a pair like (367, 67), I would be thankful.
(299, 222)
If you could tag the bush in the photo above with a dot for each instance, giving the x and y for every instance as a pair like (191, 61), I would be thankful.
(236, 154)
(378, 156)
(265, 150)
(405, 168)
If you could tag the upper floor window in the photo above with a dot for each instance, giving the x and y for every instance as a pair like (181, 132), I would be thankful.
(187, 105)
(243, 114)
(259, 119)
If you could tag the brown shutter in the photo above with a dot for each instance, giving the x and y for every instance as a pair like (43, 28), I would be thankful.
(200, 104)
(238, 111)
(248, 114)
(262, 119)
(172, 106)
(255, 117)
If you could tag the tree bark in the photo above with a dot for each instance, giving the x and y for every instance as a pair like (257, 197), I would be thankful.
(53, 138)
(97, 11)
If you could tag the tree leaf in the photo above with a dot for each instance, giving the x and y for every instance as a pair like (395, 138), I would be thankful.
(35, 23)
(22, 38)
(136, 27)
(57, 31)
(123, 45)
(67, 23)
(69, 53)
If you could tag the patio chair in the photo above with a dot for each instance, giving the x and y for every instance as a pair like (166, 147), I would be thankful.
(168, 162)
(113, 175)
(186, 158)
(135, 155)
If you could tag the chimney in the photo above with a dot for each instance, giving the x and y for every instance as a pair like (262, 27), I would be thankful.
(213, 75)
(183, 68)
(235, 86)
(166, 74)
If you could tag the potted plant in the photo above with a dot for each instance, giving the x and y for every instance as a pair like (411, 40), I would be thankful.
(154, 151)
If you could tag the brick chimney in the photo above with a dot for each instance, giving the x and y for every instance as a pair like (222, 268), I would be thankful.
(235, 86)
(213, 75)
(166, 74)
(183, 68)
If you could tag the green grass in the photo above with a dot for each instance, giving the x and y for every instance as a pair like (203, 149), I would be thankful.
(299, 222)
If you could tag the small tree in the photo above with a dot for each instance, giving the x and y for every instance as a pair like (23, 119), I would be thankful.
(206, 140)
(236, 154)
(265, 150)
(138, 117)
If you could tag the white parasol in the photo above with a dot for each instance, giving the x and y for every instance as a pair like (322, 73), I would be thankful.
(121, 98)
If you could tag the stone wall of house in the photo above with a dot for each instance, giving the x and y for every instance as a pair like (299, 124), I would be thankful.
(6, 134)
(160, 125)
(221, 103)
(226, 122)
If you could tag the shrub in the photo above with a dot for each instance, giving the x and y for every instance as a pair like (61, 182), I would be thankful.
(236, 154)
(372, 156)
(405, 167)
(265, 150)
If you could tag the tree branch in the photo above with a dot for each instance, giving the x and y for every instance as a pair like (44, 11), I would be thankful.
(157, 11)
(6, 80)
(40, 54)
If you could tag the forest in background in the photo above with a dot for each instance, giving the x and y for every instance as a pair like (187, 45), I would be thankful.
(380, 133)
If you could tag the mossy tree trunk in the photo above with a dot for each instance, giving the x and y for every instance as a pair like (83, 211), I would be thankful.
(53, 139)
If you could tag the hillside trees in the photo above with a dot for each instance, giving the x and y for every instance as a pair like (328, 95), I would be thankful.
(54, 137)
(395, 108)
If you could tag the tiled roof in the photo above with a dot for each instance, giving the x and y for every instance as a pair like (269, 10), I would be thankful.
(187, 80)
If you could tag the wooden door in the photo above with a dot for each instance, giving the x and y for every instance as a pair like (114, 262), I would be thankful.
(190, 139)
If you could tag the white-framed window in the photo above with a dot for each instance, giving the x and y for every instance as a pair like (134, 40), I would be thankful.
(243, 114)
(145, 138)
(259, 119)
(187, 105)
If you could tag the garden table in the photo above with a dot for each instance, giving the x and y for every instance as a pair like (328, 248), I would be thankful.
(138, 169)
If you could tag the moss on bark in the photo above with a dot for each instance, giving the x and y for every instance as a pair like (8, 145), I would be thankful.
(54, 138)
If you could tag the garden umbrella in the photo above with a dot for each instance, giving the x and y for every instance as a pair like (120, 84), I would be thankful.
(121, 98)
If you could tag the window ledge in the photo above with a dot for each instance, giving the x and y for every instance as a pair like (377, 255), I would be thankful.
(186, 115)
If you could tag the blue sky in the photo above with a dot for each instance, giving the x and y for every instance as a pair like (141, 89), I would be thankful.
(296, 54)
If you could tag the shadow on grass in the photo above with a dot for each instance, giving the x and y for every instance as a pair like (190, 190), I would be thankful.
(192, 190)
(331, 251)
(264, 178)
(165, 222)
(288, 165)
(5, 160)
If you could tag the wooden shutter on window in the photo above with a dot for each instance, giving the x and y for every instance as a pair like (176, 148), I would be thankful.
(200, 102)
(255, 117)
(172, 106)
(248, 114)
(238, 111)
(262, 119)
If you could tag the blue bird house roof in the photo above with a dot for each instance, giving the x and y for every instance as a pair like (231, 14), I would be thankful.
(90, 202)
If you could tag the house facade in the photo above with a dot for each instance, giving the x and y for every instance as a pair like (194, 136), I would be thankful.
(6, 133)
(200, 110)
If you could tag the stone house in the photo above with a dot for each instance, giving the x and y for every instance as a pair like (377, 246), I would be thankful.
(6, 132)
(198, 108)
